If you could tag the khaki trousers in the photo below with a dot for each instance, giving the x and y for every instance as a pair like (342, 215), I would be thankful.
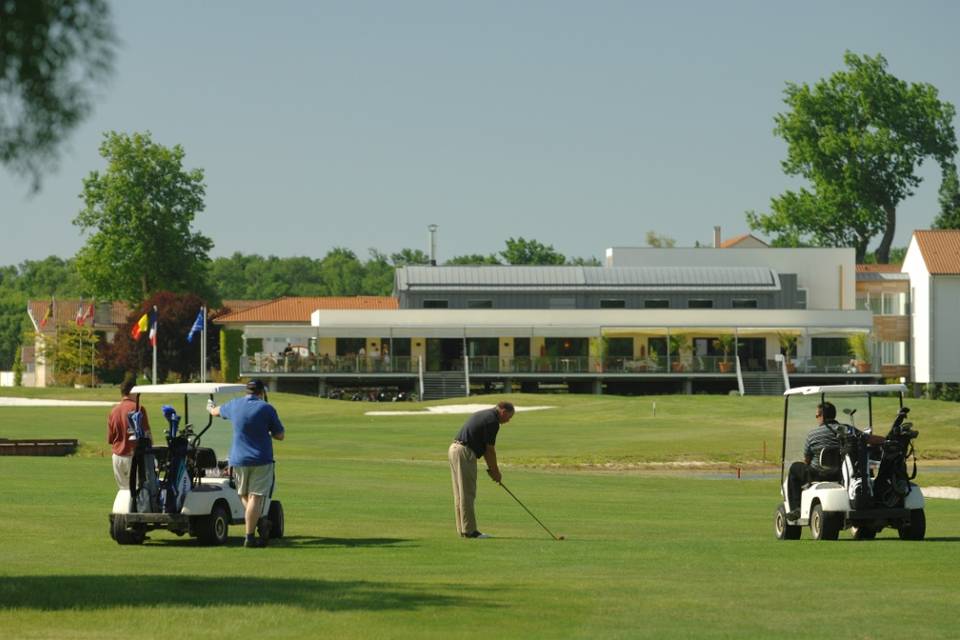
(121, 470)
(463, 471)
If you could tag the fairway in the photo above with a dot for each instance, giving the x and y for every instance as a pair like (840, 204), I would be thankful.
(371, 549)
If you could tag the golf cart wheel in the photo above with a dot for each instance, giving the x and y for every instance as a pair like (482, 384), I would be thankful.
(916, 529)
(863, 533)
(212, 529)
(120, 533)
(824, 526)
(275, 516)
(783, 529)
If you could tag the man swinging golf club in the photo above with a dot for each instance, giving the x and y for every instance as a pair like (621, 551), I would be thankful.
(477, 438)
(255, 422)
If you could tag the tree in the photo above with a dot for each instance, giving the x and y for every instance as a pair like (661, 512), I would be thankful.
(71, 352)
(949, 216)
(661, 242)
(592, 261)
(377, 275)
(175, 313)
(52, 52)
(859, 138)
(521, 251)
(140, 212)
(473, 259)
(342, 273)
(409, 256)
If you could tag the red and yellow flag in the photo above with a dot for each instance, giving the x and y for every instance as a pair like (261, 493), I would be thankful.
(140, 327)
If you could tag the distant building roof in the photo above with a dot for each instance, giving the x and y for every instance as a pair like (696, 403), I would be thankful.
(940, 250)
(881, 272)
(579, 278)
(233, 306)
(64, 311)
(745, 241)
(298, 308)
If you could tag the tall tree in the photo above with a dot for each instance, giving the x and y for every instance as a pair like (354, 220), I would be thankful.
(140, 212)
(949, 216)
(409, 256)
(858, 137)
(52, 54)
(522, 251)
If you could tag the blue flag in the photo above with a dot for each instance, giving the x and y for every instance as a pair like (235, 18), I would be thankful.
(197, 326)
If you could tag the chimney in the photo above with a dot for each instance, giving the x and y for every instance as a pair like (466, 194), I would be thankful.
(433, 244)
(716, 237)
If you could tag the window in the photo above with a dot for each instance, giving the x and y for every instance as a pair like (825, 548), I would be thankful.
(563, 303)
(869, 302)
(479, 304)
(613, 304)
(656, 304)
(893, 353)
(620, 347)
(743, 303)
(434, 304)
(801, 298)
(894, 304)
(699, 304)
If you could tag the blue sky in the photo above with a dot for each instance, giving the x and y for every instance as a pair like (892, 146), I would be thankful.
(580, 124)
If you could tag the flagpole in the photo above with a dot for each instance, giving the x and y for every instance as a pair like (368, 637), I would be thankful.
(203, 347)
(156, 330)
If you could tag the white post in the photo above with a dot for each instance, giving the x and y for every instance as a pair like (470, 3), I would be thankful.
(203, 346)
(420, 374)
(156, 335)
(466, 371)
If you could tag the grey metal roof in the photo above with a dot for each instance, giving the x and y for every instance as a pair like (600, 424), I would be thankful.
(579, 278)
(882, 276)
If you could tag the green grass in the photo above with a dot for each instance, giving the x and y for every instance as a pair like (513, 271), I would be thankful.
(371, 549)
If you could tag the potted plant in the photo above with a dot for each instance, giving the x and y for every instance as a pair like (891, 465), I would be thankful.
(680, 344)
(725, 344)
(653, 360)
(788, 342)
(859, 344)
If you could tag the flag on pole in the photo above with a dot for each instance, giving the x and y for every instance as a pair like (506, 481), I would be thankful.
(47, 316)
(153, 328)
(80, 314)
(197, 326)
(140, 327)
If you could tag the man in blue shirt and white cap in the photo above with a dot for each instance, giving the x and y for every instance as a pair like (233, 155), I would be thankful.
(255, 426)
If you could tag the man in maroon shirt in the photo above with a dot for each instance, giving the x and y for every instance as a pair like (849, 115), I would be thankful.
(117, 435)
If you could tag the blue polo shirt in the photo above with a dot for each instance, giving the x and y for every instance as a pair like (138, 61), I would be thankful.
(254, 422)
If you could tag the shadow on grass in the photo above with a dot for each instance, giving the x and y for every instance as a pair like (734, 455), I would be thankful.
(287, 542)
(55, 593)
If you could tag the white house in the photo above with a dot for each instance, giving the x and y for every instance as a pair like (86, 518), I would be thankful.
(933, 263)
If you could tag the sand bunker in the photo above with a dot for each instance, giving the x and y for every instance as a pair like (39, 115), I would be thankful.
(44, 402)
(950, 493)
(447, 409)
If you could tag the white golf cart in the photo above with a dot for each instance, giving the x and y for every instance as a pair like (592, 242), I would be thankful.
(869, 487)
(182, 487)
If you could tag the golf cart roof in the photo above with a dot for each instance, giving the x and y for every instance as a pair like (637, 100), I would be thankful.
(846, 389)
(203, 388)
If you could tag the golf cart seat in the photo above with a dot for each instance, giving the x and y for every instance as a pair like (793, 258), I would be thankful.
(206, 457)
(830, 460)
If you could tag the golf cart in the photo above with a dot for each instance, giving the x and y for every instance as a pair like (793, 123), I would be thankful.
(869, 486)
(181, 487)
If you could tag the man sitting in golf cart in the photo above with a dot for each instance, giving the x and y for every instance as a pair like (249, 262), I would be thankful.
(824, 436)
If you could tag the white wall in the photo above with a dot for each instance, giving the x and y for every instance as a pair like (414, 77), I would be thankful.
(945, 318)
(921, 346)
(819, 271)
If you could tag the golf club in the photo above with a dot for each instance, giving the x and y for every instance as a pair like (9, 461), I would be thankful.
(530, 512)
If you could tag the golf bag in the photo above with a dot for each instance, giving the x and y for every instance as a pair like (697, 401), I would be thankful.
(855, 465)
(144, 488)
(176, 481)
(892, 483)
